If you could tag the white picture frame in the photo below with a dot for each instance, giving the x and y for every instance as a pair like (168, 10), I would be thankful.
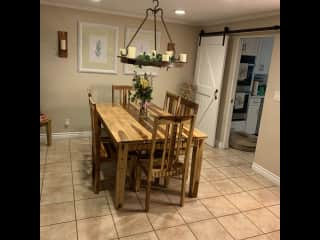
(144, 42)
(97, 48)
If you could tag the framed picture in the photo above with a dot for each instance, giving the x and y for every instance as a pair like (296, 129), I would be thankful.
(144, 42)
(98, 46)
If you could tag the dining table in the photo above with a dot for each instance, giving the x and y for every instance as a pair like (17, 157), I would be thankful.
(129, 132)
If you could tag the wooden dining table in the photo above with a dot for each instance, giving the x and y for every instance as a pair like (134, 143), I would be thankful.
(129, 131)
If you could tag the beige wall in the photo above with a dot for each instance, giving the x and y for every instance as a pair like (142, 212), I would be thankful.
(63, 88)
(268, 146)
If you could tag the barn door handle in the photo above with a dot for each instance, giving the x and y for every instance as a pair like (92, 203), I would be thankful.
(215, 94)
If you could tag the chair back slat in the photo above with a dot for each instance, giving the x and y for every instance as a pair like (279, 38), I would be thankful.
(171, 102)
(165, 146)
(174, 127)
(187, 107)
(123, 93)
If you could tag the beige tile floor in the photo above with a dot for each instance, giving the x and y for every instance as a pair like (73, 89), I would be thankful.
(234, 202)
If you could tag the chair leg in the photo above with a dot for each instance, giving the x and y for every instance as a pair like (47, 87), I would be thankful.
(131, 172)
(93, 173)
(137, 179)
(157, 181)
(148, 190)
(49, 132)
(97, 176)
(166, 181)
(183, 185)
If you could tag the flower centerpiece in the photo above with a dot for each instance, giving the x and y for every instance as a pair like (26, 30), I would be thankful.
(142, 91)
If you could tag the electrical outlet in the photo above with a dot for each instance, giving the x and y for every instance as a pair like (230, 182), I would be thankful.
(67, 122)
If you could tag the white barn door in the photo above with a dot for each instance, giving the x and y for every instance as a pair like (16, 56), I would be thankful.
(208, 79)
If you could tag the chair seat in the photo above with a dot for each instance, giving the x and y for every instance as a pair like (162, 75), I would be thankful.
(107, 152)
(146, 154)
(177, 168)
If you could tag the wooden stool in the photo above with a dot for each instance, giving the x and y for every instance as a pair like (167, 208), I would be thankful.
(47, 123)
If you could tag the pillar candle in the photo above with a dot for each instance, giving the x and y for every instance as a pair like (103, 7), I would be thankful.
(183, 57)
(63, 45)
(165, 58)
(123, 51)
(131, 52)
(169, 53)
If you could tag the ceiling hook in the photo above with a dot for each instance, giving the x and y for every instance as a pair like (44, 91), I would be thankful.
(157, 3)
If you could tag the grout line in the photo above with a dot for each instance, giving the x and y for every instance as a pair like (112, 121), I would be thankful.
(272, 212)
(264, 234)
(112, 217)
(43, 176)
(74, 197)
(249, 221)
(253, 223)
(140, 201)
(183, 217)
(53, 224)
(216, 218)
(169, 201)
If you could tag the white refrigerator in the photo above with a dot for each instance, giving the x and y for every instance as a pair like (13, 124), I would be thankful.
(253, 114)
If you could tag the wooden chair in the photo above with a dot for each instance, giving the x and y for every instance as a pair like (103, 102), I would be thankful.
(187, 107)
(123, 91)
(107, 151)
(44, 121)
(103, 133)
(169, 164)
(171, 103)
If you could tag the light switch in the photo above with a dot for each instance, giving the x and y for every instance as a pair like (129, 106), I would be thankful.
(276, 96)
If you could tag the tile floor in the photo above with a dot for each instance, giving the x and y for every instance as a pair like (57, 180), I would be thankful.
(233, 201)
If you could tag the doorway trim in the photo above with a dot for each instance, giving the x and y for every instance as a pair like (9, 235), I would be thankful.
(232, 80)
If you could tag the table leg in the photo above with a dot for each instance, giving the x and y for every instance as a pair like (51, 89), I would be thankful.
(196, 167)
(122, 153)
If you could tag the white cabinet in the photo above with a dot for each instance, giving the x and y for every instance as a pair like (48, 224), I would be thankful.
(264, 56)
(250, 46)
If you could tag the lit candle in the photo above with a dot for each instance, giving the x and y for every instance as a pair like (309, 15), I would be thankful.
(63, 44)
(170, 53)
(165, 58)
(131, 52)
(183, 57)
(123, 51)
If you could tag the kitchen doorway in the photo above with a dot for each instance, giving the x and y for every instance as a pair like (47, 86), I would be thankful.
(248, 90)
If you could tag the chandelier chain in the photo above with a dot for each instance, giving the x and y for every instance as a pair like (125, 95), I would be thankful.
(155, 10)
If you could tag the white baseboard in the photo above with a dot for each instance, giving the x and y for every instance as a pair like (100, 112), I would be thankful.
(221, 145)
(266, 173)
(64, 135)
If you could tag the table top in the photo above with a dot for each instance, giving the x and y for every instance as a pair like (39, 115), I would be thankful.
(124, 124)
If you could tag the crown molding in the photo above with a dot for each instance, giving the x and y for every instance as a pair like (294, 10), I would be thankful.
(118, 13)
(240, 19)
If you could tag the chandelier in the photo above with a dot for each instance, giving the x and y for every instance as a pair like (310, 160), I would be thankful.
(155, 59)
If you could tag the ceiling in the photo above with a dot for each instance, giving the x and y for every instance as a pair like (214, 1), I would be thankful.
(198, 12)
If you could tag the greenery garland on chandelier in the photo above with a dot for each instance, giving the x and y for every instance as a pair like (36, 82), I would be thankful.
(151, 59)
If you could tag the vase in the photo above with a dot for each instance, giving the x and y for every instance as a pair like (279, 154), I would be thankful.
(143, 112)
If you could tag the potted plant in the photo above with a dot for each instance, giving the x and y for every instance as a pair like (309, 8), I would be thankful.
(142, 91)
